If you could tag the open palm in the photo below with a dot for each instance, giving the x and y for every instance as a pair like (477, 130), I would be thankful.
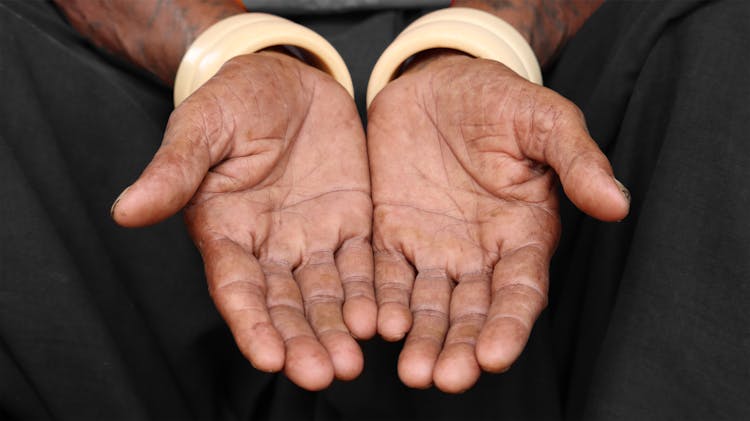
(271, 156)
(466, 216)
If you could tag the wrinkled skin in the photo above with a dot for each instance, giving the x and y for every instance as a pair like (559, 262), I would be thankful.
(269, 159)
(464, 157)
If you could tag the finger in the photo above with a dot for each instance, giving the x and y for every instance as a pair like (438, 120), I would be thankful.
(172, 177)
(457, 368)
(323, 296)
(355, 265)
(394, 278)
(307, 363)
(237, 286)
(429, 305)
(584, 171)
(519, 294)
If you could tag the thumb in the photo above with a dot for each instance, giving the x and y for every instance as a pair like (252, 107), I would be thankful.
(585, 172)
(171, 178)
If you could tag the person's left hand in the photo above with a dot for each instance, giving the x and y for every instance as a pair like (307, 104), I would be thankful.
(464, 157)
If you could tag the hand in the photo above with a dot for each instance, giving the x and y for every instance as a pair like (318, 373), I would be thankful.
(465, 156)
(270, 158)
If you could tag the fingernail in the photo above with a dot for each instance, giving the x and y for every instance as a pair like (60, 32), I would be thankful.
(112, 209)
(623, 189)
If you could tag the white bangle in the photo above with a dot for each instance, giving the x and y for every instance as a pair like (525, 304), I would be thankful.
(472, 31)
(248, 33)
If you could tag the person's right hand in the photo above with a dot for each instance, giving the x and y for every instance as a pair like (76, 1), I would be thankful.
(270, 158)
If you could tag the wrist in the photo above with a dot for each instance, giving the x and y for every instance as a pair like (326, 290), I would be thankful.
(280, 52)
(472, 31)
(152, 34)
(248, 33)
(546, 25)
(429, 58)
(165, 56)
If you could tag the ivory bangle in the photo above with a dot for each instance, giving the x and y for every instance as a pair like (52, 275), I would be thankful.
(248, 33)
(499, 27)
(472, 31)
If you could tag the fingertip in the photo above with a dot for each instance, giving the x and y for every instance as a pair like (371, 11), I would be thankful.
(350, 371)
(598, 194)
(269, 361)
(586, 173)
(500, 344)
(354, 261)
(624, 199)
(265, 350)
(457, 369)
(612, 203)
(117, 200)
(346, 355)
(414, 370)
(136, 207)
(121, 211)
(394, 320)
(168, 182)
(308, 365)
(394, 280)
(361, 317)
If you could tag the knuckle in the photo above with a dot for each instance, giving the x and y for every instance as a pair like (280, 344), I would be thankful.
(392, 286)
(424, 337)
(322, 298)
(429, 312)
(189, 121)
(357, 284)
(382, 302)
(237, 287)
(525, 289)
(329, 331)
(319, 257)
(357, 279)
(469, 318)
(546, 117)
(285, 308)
(209, 110)
(360, 295)
(470, 341)
(524, 325)
(357, 244)
(551, 111)
(299, 336)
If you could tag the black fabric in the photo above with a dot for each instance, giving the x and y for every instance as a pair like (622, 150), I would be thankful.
(654, 310)
(648, 318)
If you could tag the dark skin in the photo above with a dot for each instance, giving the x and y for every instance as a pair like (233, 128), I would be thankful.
(463, 230)
(546, 24)
(283, 229)
(466, 211)
(153, 34)
(466, 216)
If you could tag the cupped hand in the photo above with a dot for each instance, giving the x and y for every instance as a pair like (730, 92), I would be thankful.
(269, 161)
(465, 156)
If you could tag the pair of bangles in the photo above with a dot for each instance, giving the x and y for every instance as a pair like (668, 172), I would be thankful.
(477, 33)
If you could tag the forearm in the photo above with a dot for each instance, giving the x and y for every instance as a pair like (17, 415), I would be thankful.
(153, 34)
(546, 24)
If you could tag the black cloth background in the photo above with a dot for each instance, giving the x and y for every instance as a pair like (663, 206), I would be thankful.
(648, 318)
